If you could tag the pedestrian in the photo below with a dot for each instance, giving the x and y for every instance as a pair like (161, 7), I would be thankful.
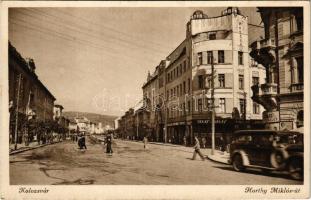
(145, 140)
(197, 149)
(83, 143)
(109, 144)
(185, 141)
(203, 142)
(222, 144)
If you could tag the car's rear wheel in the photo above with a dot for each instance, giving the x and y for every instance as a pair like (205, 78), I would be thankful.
(295, 169)
(237, 163)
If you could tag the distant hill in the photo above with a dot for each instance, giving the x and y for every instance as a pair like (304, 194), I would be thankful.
(93, 117)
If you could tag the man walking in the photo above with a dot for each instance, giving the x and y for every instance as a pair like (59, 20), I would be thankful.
(145, 140)
(197, 149)
(109, 142)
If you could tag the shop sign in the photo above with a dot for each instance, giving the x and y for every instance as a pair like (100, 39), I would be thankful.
(271, 116)
(207, 121)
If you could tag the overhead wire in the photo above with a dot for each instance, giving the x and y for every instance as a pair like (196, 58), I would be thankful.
(70, 38)
(98, 34)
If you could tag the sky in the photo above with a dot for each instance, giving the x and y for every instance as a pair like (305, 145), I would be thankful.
(97, 59)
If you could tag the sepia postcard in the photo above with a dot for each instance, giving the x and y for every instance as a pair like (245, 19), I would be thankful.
(155, 100)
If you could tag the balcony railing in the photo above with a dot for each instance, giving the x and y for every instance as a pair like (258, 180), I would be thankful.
(264, 43)
(265, 89)
(268, 89)
(296, 87)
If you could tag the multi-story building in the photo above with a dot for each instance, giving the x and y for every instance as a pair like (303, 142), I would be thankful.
(83, 124)
(281, 53)
(178, 94)
(57, 111)
(26, 91)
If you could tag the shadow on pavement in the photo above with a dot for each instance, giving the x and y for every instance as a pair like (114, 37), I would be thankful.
(255, 172)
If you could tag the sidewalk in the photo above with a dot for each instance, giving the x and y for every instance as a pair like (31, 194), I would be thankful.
(219, 156)
(22, 147)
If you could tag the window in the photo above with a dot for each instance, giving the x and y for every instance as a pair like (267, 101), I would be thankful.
(280, 31)
(256, 108)
(209, 81)
(177, 90)
(200, 105)
(222, 105)
(242, 106)
(174, 73)
(200, 58)
(174, 91)
(240, 58)
(189, 106)
(208, 104)
(189, 85)
(177, 71)
(209, 57)
(221, 80)
(183, 108)
(180, 87)
(185, 66)
(184, 83)
(171, 92)
(241, 82)
(161, 82)
(212, 36)
(299, 21)
(201, 81)
(255, 80)
(221, 57)
(300, 69)
(180, 68)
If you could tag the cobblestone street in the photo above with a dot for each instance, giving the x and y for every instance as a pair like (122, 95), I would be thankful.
(64, 163)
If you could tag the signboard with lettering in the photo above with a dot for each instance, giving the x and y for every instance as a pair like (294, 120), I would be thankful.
(271, 116)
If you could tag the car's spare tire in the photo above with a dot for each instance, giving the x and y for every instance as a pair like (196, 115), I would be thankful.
(278, 157)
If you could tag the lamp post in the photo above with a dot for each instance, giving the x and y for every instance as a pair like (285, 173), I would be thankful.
(213, 106)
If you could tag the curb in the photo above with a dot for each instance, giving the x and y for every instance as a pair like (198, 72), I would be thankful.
(30, 148)
(217, 161)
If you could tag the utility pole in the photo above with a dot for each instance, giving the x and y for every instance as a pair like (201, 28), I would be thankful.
(276, 32)
(137, 125)
(17, 105)
(213, 107)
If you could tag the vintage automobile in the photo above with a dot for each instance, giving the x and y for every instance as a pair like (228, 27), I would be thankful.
(268, 150)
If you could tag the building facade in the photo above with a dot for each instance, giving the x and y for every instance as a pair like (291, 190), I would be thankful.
(28, 96)
(177, 95)
(281, 53)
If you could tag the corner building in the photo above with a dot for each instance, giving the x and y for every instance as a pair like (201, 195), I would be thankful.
(281, 53)
(180, 88)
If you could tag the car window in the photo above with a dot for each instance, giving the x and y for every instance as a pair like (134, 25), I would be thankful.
(245, 139)
(289, 139)
(263, 139)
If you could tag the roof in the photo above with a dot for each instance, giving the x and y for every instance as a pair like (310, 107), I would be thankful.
(23, 63)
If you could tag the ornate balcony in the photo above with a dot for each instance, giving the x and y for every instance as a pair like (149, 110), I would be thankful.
(263, 51)
(265, 94)
(296, 87)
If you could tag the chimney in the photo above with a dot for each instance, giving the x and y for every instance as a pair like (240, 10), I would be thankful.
(31, 64)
